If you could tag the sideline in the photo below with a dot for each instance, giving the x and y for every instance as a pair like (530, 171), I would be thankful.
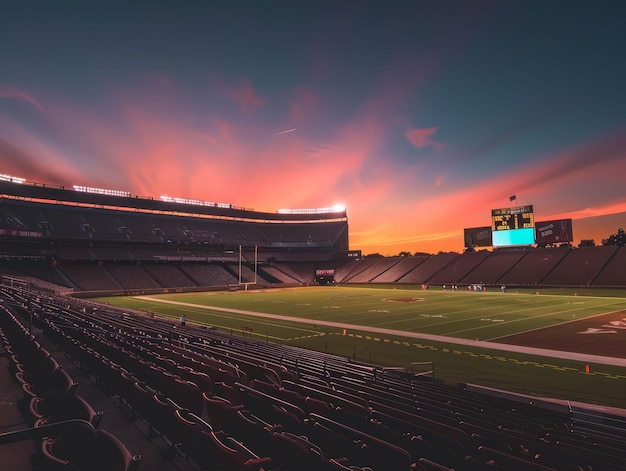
(583, 357)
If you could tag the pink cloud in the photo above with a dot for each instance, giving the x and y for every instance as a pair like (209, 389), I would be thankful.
(609, 209)
(432, 219)
(29, 156)
(148, 150)
(244, 95)
(422, 137)
(303, 106)
(9, 92)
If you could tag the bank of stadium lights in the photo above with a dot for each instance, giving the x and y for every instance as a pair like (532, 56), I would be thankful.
(170, 199)
(101, 191)
(338, 208)
(9, 178)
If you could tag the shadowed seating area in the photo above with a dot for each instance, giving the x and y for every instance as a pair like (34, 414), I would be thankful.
(205, 400)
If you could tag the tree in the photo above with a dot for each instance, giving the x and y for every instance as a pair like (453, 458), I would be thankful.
(619, 238)
(587, 243)
(404, 254)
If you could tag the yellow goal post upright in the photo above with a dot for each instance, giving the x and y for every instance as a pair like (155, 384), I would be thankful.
(245, 284)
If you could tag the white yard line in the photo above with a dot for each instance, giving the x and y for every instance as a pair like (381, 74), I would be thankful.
(583, 357)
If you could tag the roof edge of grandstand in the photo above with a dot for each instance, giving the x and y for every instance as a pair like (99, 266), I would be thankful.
(59, 194)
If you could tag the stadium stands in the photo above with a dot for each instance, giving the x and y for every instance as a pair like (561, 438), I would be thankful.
(404, 266)
(345, 273)
(580, 266)
(535, 265)
(168, 275)
(459, 268)
(613, 274)
(493, 267)
(429, 267)
(253, 405)
(380, 266)
(88, 242)
(209, 275)
(132, 277)
(90, 277)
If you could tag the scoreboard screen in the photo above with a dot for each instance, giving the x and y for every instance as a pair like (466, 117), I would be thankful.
(506, 219)
(513, 226)
(477, 237)
(554, 232)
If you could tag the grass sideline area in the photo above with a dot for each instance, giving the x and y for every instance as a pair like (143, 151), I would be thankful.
(316, 318)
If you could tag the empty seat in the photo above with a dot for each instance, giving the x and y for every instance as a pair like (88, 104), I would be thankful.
(296, 452)
(59, 408)
(58, 383)
(36, 372)
(215, 450)
(219, 411)
(97, 451)
(233, 455)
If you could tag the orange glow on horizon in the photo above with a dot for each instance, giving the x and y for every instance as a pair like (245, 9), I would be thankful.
(153, 146)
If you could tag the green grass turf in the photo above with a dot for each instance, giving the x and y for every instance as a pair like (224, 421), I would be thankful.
(468, 315)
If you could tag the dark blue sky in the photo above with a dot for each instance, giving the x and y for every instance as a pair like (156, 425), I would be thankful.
(419, 116)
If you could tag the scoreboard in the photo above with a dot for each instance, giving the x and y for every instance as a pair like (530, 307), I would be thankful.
(513, 226)
(506, 219)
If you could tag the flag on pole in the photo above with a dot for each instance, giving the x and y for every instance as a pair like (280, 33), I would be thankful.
(512, 198)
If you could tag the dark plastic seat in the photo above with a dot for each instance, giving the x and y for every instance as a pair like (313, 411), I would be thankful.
(202, 380)
(160, 415)
(219, 411)
(510, 462)
(97, 451)
(36, 371)
(58, 383)
(187, 395)
(233, 455)
(191, 438)
(59, 408)
(20, 344)
(32, 358)
(139, 399)
(296, 452)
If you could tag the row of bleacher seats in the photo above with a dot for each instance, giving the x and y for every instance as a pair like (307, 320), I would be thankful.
(63, 424)
(61, 222)
(137, 253)
(230, 403)
(145, 277)
(564, 266)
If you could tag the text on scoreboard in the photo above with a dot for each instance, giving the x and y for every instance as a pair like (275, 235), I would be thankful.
(506, 219)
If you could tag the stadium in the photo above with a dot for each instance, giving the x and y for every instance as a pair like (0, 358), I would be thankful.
(166, 333)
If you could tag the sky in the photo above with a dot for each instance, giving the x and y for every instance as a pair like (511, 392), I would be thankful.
(419, 116)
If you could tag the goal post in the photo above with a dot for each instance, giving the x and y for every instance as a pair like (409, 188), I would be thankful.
(256, 264)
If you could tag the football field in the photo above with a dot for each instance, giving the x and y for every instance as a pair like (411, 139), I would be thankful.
(559, 343)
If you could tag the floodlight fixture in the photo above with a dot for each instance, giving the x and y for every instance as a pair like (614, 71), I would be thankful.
(101, 191)
(338, 208)
(9, 178)
(170, 199)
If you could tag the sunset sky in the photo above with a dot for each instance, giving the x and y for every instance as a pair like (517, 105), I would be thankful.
(419, 116)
